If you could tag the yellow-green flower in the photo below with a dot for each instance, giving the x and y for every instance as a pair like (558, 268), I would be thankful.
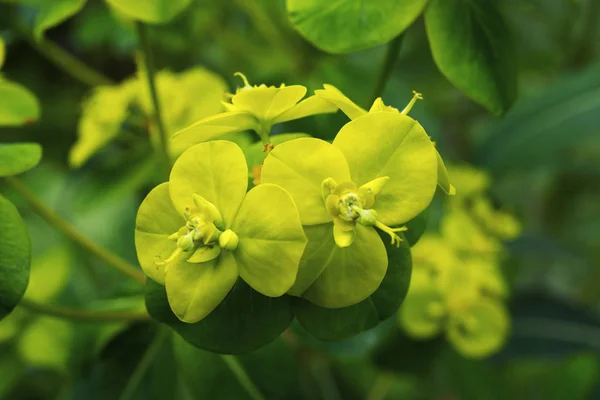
(380, 172)
(348, 107)
(256, 108)
(200, 231)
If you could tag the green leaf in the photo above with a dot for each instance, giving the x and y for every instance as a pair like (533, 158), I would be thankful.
(416, 227)
(271, 240)
(151, 11)
(300, 166)
(195, 290)
(471, 46)
(15, 257)
(340, 323)
(215, 170)
(50, 273)
(266, 103)
(244, 321)
(52, 13)
(18, 106)
(393, 145)
(43, 350)
(343, 26)
(255, 153)
(16, 158)
(2, 52)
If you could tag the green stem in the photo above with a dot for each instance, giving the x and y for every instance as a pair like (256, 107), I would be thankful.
(67, 62)
(82, 315)
(393, 49)
(240, 373)
(56, 221)
(148, 60)
(143, 365)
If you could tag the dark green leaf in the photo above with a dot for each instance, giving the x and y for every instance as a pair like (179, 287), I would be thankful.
(244, 321)
(16, 158)
(15, 257)
(471, 46)
(343, 26)
(341, 323)
(416, 227)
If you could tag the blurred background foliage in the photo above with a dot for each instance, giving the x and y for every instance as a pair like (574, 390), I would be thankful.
(541, 156)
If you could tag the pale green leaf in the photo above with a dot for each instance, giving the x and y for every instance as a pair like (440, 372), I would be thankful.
(271, 240)
(46, 343)
(443, 177)
(214, 170)
(343, 26)
(15, 257)
(151, 11)
(195, 290)
(312, 105)
(300, 166)
(395, 145)
(16, 158)
(18, 106)
(50, 274)
(266, 103)
(2, 52)
(336, 97)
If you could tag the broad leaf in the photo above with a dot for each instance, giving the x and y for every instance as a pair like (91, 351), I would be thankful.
(351, 25)
(18, 106)
(16, 158)
(244, 321)
(340, 323)
(15, 253)
(52, 13)
(151, 11)
(471, 46)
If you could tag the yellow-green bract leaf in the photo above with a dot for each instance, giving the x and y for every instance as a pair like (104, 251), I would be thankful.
(300, 166)
(46, 343)
(310, 106)
(49, 274)
(471, 46)
(394, 145)
(213, 127)
(156, 221)
(319, 242)
(271, 240)
(266, 103)
(216, 171)
(18, 106)
(16, 158)
(15, 253)
(468, 180)
(479, 330)
(423, 312)
(152, 11)
(443, 178)
(352, 25)
(465, 234)
(255, 153)
(52, 13)
(194, 290)
(333, 95)
(103, 113)
(350, 274)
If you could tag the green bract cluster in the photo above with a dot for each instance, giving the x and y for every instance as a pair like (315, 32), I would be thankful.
(457, 286)
(319, 224)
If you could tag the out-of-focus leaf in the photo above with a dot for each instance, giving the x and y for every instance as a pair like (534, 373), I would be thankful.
(16, 158)
(46, 343)
(52, 13)
(15, 257)
(10, 370)
(340, 323)
(18, 106)
(2, 52)
(151, 11)
(471, 46)
(540, 130)
(245, 320)
(49, 274)
(349, 25)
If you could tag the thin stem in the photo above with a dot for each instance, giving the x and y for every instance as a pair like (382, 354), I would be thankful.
(82, 315)
(240, 373)
(143, 365)
(67, 62)
(393, 49)
(56, 221)
(148, 60)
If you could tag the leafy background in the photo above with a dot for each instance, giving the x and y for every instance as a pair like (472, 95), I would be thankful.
(540, 142)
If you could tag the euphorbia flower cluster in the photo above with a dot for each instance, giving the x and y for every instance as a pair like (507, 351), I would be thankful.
(310, 226)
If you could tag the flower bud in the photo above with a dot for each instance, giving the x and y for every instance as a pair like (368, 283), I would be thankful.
(228, 240)
(367, 217)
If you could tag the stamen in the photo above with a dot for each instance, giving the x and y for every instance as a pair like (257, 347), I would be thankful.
(246, 84)
(416, 96)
